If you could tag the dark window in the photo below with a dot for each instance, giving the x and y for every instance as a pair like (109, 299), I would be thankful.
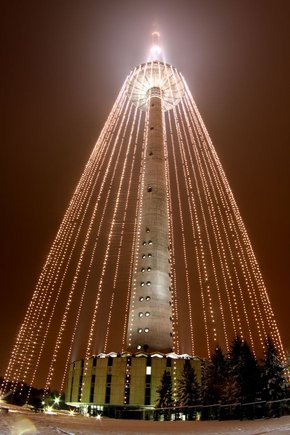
(110, 361)
(92, 388)
(147, 396)
(108, 394)
(109, 379)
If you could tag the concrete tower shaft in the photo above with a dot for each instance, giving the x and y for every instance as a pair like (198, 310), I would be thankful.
(150, 326)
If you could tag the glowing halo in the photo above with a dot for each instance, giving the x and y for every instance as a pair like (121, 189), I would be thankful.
(155, 50)
(155, 74)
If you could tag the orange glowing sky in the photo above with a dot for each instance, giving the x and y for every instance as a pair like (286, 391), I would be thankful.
(63, 65)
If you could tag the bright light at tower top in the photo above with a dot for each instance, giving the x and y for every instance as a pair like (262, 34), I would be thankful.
(156, 50)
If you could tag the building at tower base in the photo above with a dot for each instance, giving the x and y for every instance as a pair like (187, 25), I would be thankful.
(123, 385)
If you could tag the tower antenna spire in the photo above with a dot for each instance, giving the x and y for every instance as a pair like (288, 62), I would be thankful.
(155, 50)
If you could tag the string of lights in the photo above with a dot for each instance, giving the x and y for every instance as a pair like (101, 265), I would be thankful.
(87, 297)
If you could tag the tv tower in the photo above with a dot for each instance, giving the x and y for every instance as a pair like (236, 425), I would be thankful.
(150, 313)
(152, 260)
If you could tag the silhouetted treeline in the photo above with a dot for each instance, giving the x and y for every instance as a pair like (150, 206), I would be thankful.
(239, 377)
(233, 385)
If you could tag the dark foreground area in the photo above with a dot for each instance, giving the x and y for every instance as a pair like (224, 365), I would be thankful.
(19, 422)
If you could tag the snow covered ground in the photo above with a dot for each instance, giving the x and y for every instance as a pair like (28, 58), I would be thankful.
(29, 423)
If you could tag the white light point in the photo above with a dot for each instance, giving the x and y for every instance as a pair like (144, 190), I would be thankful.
(155, 51)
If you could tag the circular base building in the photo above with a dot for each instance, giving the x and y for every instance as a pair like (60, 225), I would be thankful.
(123, 385)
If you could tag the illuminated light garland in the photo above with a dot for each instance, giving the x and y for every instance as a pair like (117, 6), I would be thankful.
(241, 235)
(211, 220)
(120, 141)
(121, 233)
(212, 264)
(68, 305)
(183, 239)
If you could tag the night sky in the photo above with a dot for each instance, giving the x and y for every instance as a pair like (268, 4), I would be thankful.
(63, 64)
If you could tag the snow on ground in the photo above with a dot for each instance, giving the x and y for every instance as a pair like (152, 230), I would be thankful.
(30, 423)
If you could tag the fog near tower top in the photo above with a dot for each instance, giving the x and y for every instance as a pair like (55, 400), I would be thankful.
(63, 67)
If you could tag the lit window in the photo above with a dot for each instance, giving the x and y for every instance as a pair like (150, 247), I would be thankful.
(144, 243)
(150, 242)
(142, 270)
(143, 256)
(148, 370)
(140, 314)
(140, 330)
(141, 299)
(139, 347)
(147, 314)
(142, 284)
(148, 269)
(148, 298)
(146, 329)
(149, 255)
(148, 283)
(147, 230)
